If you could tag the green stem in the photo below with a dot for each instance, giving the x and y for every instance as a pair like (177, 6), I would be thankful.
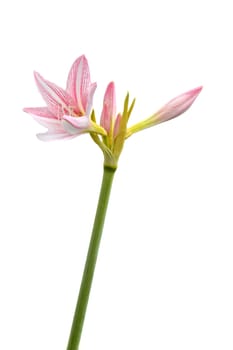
(84, 292)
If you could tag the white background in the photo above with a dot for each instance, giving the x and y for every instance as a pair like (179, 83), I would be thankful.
(165, 269)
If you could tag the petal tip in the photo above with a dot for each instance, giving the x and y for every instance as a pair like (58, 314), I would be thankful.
(111, 85)
(36, 74)
(196, 91)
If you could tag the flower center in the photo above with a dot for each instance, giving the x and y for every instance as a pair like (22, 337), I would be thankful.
(74, 112)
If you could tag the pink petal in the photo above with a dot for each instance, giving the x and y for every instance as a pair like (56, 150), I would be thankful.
(50, 123)
(177, 105)
(76, 125)
(109, 107)
(105, 121)
(78, 83)
(90, 98)
(39, 111)
(51, 136)
(55, 130)
(57, 99)
(78, 122)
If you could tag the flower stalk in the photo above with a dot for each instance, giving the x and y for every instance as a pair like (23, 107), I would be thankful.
(85, 288)
(68, 113)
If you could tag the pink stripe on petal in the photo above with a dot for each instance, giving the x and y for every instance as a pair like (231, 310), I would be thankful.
(83, 82)
(78, 83)
(109, 107)
(50, 123)
(71, 80)
(105, 120)
(71, 129)
(39, 111)
(90, 98)
(76, 125)
(110, 99)
(57, 99)
(78, 122)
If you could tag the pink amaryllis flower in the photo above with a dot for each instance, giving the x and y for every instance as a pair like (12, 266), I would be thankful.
(67, 112)
(172, 109)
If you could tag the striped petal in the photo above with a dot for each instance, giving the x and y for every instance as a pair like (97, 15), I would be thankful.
(51, 136)
(109, 107)
(50, 123)
(40, 111)
(57, 99)
(90, 98)
(76, 125)
(78, 83)
(78, 122)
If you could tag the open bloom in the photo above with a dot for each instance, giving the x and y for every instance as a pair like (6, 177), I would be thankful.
(67, 112)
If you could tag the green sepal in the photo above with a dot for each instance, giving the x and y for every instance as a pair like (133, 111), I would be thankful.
(131, 107)
(120, 138)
